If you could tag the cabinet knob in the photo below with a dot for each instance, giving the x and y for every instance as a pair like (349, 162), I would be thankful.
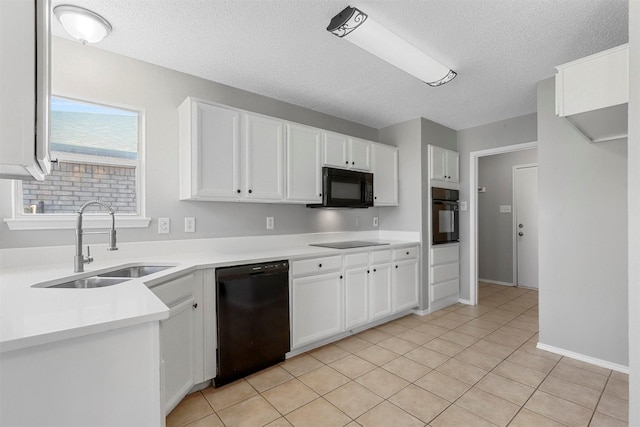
(407, 252)
(238, 191)
(396, 266)
(374, 270)
(195, 305)
(319, 265)
(320, 194)
(250, 191)
(367, 271)
(353, 163)
(341, 277)
(347, 162)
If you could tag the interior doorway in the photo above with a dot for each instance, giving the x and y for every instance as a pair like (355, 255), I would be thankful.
(525, 225)
(473, 209)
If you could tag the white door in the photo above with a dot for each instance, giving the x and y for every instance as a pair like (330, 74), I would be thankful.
(385, 175)
(525, 189)
(264, 158)
(356, 296)
(304, 176)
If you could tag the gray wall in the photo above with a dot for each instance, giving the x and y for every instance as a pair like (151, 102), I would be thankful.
(93, 74)
(582, 238)
(634, 212)
(517, 130)
(495, 229)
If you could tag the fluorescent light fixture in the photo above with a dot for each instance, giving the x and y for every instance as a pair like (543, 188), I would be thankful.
(357, 27)
(82, 24)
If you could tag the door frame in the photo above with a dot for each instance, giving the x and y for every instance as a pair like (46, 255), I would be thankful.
(473, 208)
(514, 216)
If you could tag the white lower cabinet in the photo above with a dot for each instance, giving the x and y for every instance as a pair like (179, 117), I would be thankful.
(405, 279)
(317, 307)
(335, 294)
(181, 337)
(444, 281)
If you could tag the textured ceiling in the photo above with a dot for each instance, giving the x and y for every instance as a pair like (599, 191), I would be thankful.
(280, 48)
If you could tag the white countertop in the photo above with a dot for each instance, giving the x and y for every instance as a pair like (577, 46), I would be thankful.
(33, 316)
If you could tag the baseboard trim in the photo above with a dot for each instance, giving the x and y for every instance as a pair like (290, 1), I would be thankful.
(495, 282)
(464, 301)
(584, 358)
(422, 312)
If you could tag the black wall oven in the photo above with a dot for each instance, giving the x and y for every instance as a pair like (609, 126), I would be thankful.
(444, 214)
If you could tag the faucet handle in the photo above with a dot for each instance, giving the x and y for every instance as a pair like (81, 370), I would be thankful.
(88, 259)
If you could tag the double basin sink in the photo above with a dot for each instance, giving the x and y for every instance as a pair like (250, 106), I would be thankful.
(107, 277)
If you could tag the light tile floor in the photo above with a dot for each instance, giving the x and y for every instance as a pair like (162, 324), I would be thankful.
(460, 366)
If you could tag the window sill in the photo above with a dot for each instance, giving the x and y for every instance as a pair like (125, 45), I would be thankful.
(68, 222)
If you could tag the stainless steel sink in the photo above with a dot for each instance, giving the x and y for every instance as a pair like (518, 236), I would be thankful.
(135, 271)
(107, 277)
(90, 282)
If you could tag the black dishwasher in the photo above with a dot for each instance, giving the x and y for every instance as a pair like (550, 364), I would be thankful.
(252, 304)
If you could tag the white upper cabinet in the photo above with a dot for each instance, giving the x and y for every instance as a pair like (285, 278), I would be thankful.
(385, 175)
(24, 89)
(341, 151)
(229, 155)
(264, 158)
(209, 152)
(304, 175)
(593, 94)
(443, 164)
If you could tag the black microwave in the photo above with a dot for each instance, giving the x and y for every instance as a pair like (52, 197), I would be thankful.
(343, 188)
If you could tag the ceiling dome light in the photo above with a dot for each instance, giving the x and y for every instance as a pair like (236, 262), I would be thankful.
(82, 24)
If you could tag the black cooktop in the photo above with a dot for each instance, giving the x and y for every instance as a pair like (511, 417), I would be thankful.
(348, 245)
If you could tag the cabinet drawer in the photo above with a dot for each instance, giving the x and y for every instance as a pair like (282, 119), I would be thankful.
(175, 291)
(380, 257)
(354, 260)
(444, 255)
(442, 273)
(443, 290)
(316, 265)
(405, 253)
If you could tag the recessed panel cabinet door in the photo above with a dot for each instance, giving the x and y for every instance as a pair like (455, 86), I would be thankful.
(380, 285)
(356, 296)
(264, 158)
(385, 175)
(214, 153)
(317, 308)
(304, 177)
(405, 285)
(360, 154)
(334, 150)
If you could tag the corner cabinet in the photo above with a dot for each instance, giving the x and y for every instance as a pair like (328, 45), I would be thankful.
(444, 164)
(228, 155)
(592, 93)
(24, 89)
(181, 337)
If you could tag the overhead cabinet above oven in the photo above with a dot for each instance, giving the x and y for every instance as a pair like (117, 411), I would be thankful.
(228, 154)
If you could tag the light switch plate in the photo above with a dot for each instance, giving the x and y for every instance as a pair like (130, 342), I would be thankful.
(164, 226)
(463, 206)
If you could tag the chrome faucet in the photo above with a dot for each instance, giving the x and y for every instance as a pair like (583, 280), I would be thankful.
(79, 260)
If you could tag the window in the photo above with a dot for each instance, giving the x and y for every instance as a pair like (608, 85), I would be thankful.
(98, 148)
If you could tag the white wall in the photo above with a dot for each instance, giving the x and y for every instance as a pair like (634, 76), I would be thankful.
(93, 74)
(495, 229)
(517, 130)
(634, 213)
(582, 238)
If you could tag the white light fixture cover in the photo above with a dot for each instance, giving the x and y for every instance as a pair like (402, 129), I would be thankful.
(355, 26)
(82, 24)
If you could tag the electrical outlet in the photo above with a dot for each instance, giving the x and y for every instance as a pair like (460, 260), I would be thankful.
(270, 223)
(375, 221)
(189, 224)
(505, 208)
(164, 226)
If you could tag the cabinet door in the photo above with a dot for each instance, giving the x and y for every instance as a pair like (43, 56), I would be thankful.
(264, 158)
(380, 286)
(317, 308)
(177, 352)
(334, 150)
(385, 175)
(438, 164)
(356, 296)
(212, 135)
(405, 285)
(360, 154)
(303, 164)
(24, 89)
(452, 166)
